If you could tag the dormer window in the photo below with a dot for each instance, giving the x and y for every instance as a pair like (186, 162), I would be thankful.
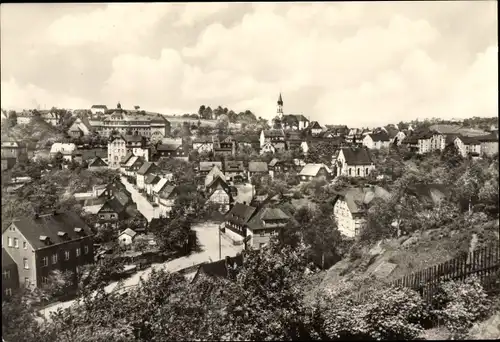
(45, 239)
(62, 235)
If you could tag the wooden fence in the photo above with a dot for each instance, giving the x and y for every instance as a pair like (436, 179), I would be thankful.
(484, 263)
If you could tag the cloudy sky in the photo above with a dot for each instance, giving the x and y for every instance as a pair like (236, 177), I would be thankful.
(340, 63)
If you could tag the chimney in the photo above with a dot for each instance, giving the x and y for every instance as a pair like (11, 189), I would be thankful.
(54, 212)
(37, 216)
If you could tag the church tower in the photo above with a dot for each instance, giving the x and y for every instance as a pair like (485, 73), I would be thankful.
(279, 110)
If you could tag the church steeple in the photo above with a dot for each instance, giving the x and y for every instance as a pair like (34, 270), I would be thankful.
(279, 110)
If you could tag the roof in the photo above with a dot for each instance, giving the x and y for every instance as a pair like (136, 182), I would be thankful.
(99, 106)
(469, 140)
(313, 169)
(218, 268)
(151, 179)
(357, 156)
(293, 135)
(63, 148)
(274, 133)
(294, 117)
(203, 140)
(159, 186)
(233, 165)
(133, 138)
(240, 213)
(213, 174)
(380, 136)
(266, 214)
(487, 138)
(315, 125)
(356, 198)
(167, 191)
(126, 158)
(168, 147)
(274, 161)
(50, 225)
(146, 168)
(208, 165)
(429, 192)
(129, 232)
(257, 166)
(7, 260)
(97, 161)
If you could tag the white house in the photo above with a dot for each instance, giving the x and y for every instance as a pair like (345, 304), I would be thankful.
(376, 140)
(400, 136)
(314, 172)
(126, 237)
(267, 148)
(468, 146)
(203, 144)
(349, 208)
(219, 193)
(98, 109)
(315, 128)
(214, 173)
(146, 169)
(67, 150)
(354, 162)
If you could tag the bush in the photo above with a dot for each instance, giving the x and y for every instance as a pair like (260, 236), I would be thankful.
(459, 305)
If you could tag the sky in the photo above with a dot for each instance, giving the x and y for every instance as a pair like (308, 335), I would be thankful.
(354, 63)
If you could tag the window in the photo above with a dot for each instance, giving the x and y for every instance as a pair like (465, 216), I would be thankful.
(8, 291)
(350, 171)
(358, 171)
(6, 274)
(54, 258)
(101, 216)
(9, 241)
(366, 171)
(25, 263)
(66, 255)
(112, 215)
(45, 261)
(26, 282)
(25, 245)
(45, 280)
(261, 232)
(78, 252)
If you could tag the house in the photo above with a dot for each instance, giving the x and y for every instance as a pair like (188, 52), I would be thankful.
(80, 127)
(98, 109)
(14, 149)
(234, 168)
(265, 224)
(10, 275)
(203, 144)
(224, 145)
(132, 165)
(219, 269)
(468, 146)
(214, 173)
(354, 162)
(171, 151)
(248, 141)
(314, 172)
(67, 150)
(236, 220)
(149, 182)
(97, 164)
(350, 206)
(424, 142)
(138, 145)
(277, 166)
(116, 150)
(336, 131)
(219, 192)
(126, 237)
(42, 243)
(166, 197)
(376, 140)
(24, 117)
(294, 122)
(398, 139)
(146, 169)
(206, 166)
(315, 128)
(257, 168)
(268, 147)
(489, 144)
(275, 136)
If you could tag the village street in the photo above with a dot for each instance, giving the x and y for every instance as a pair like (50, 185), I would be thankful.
(208, 237)
(142, 203)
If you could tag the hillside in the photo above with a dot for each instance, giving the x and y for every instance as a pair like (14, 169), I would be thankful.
(406, 255)
(38, 132)
(178, 120)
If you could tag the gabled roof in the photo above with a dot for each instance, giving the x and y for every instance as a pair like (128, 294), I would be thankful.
(208, 165)
(313, 169)
(294, 118)
(492, 137)
(7, 260)
(213, 174)
(240, 213)
(129, 232)
(315, 125)
(99, 106)
(146, 168)
(97, 162)
(203, 140)
(380, 136)
(49, 226)
(469, 140)
(218, 269)
(274, 133)
(167, 191)
(257, 166)
(64, 148)
(233, 165)
(274, 161)
(358, 199)
(266, 214)
(126, 158)
(293, 135)
(168, 147)
(151, 179)
(133, 138)
(357, 156)
(160, 185)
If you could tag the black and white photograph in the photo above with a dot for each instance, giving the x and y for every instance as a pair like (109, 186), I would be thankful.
(250, 171)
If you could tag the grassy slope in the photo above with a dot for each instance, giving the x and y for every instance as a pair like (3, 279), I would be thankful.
(37, 131)
(174, 120)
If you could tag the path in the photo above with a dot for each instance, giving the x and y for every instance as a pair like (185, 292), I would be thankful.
(143, 205)
(208, 237)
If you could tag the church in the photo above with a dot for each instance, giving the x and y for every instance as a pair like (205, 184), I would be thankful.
(290, 121)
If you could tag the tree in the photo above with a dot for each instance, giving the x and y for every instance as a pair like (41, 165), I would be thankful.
(277, 124)
(12, 118)
(172, 235)
(222, 123)
(207, 113)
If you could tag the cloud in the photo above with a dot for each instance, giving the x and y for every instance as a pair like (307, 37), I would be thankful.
(116, 24)
(17, 96)
(195, 12)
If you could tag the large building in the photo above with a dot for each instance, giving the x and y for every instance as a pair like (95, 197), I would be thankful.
(120, 145)
(44, 243)
(290, 121)
(123, 122)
